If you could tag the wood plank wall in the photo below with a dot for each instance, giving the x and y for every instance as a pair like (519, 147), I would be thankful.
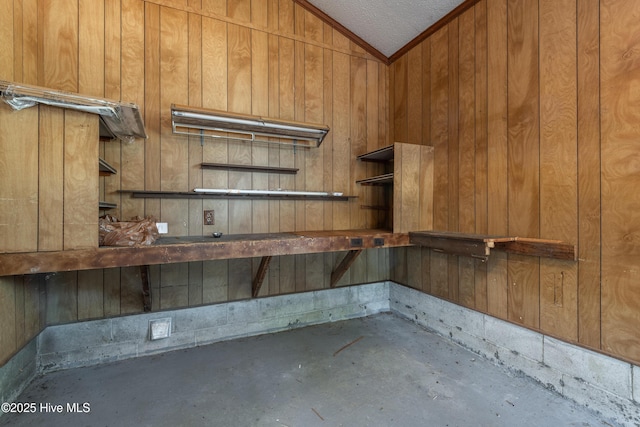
(266, 57)
(531, 109)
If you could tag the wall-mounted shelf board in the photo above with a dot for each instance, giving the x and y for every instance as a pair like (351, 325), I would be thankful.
(107, 205)
(385, 179)
(249, 168)
(479, 246)
(105, 168)
(204, 195)
(383, 155)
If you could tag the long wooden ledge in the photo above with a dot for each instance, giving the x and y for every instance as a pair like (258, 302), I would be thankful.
(169, 250)
(479, 246)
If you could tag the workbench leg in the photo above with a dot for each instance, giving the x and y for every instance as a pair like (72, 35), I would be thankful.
(348, 260)
(146, 289)
(260, 275)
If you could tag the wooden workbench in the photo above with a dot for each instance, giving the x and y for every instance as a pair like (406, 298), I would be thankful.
(169, 250)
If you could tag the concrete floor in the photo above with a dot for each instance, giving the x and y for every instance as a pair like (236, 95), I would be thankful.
(394, 373)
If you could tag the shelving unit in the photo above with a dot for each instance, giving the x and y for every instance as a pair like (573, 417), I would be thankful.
(409, 173)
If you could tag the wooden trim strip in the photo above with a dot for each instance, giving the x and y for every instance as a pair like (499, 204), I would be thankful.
(343, 30)
(463, 7)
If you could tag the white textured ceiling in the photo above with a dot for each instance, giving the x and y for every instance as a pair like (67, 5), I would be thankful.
(387, 25)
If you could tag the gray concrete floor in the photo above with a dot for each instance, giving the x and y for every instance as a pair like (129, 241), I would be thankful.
(397, 374)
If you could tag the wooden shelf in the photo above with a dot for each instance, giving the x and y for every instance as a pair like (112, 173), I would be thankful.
(385, 179)
(249, 168)
(407, 169)
(168, 250)
(381, 155)
(193, 195)
(106, 205)
(105, 168)
(479, 246)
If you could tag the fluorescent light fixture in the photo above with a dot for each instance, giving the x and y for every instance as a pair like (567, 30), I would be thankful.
(266, 192)
(221, 124)
(122, 120)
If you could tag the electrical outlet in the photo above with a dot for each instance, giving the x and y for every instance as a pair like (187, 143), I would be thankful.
(356, 242)
(209, 218)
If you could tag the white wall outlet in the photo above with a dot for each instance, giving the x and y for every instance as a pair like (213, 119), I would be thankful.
(159, 328)
(163, 227)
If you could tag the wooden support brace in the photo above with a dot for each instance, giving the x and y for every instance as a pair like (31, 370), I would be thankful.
(146, 289)
(260, 275)
(348, 260)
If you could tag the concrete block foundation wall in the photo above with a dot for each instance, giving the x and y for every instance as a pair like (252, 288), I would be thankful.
(600, 382)
(594, 380)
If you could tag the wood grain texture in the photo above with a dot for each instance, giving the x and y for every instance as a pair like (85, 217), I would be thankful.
(466, 193)
(81, 134)
(8, 339)
(7, 31)
(91, 47)
(523, 157)
(131, 171)
(51, 178)
(589, 184)
(497, 146)
(481, 147)
(60, 44)
(439, 139)
(19, 177)
(620, 74)
(414, 96)
(558, 164)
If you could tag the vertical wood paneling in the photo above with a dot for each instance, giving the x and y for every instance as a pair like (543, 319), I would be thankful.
(8, 339)
(558, 163)
(341, 133)
(60, 44)
(90, 295)
(51, 178)
(91, 47)
(152, 105)
(196, 153)
(7, 32)
(481, 154)
(466, 156)
(174, 150)
(62, 297)
(19, 177)
(131, 172)
(523, 157)
(439, 137)
(620, 76)
(589, 185)
(497, 152)
(80, 219)
(414, 96)
(400, 100)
